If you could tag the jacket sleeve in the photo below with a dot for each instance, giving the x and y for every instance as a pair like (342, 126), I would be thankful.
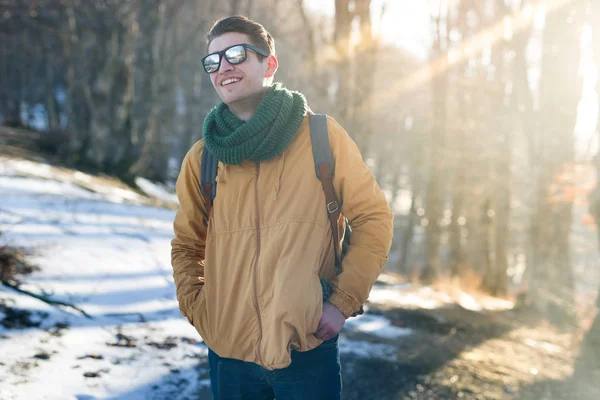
(187, 248)
(365, 206)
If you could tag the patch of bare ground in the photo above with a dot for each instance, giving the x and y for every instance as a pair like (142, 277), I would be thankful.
(456, 353)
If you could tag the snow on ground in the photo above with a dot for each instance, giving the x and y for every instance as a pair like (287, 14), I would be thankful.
(364, 349)
(376, 325)
(113, 261)
(156, 191)
(100, 248)
(96, 186)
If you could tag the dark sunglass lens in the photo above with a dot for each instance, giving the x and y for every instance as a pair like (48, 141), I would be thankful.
(236, 54)
(211, 63)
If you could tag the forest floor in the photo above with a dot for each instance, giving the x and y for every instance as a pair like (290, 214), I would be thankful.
(457, 353)
(105, 249)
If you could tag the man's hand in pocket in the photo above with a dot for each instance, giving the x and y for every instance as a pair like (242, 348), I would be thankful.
(331, 323)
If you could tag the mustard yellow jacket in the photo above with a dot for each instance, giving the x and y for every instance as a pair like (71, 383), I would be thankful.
(250, 284)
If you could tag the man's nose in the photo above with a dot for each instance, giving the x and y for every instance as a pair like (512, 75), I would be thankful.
(225, 65)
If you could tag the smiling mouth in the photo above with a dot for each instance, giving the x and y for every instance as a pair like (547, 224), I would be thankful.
(230, 81)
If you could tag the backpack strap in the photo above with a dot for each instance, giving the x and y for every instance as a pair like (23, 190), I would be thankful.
(324, 167)
(208, 180)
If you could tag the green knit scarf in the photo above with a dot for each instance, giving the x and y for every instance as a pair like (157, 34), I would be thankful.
(265, 135)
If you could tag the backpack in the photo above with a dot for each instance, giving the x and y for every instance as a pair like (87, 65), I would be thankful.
(324, 168)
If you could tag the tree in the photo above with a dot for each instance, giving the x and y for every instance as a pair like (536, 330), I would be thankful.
(365, 53)
(589, 358)
(434, 203)
(553, 289)
(495, 279)
(341, 39)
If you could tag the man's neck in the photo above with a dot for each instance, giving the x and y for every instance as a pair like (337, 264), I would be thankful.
(244, 109)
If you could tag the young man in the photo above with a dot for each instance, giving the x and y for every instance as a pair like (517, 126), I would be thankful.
(251, 283)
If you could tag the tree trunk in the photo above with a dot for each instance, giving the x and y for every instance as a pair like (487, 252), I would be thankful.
(366, 52)
(498, 285)
(495, 280)
(595, 8)
(117, 158)
(460, 147)
(11, 101)
(146, 25)
(51, 106)
(153, 161)
(408, 234)
(145, 80)
(102, 97)
(316, 77)
(456, 251)
(589, 358)
(249, 6)
(234, 7)
(560, 92)
(526, 121)
(434, 202)
(343, 25)
(191, 123)
(76, 106)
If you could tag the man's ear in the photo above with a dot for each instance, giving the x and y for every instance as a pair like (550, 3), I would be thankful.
(272, 65)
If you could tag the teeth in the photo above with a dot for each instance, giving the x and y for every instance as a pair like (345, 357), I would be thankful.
(228, 81)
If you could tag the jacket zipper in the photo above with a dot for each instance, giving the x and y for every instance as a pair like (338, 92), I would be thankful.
(258, 346)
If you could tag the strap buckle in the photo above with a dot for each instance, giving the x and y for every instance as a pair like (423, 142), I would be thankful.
(332, 207)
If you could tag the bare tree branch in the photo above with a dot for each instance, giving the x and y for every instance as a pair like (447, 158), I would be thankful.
(44, 298)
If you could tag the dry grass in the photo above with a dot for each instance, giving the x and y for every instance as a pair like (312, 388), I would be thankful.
(14, 263)
(467, 287)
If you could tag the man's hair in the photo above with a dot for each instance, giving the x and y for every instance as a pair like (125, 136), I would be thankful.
(259, 36)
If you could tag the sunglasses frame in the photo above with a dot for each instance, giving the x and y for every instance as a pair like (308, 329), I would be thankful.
(221, 54)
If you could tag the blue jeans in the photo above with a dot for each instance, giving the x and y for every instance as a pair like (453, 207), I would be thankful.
(312, 375)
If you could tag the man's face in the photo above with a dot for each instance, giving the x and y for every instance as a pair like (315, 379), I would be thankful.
(243, 81)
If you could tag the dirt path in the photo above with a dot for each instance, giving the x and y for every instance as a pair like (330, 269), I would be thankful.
(460, 354)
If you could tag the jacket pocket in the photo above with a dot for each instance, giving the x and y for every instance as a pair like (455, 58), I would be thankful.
(318, 312)
(199, 317)
(333, 342)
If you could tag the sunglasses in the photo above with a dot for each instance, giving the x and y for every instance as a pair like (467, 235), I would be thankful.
(234, 55)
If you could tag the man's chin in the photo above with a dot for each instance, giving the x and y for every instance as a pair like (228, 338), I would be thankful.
(230, 98)
(246, 99)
